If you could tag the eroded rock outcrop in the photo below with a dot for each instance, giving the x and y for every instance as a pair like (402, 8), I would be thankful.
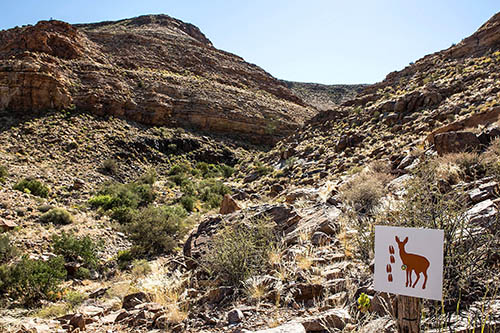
(152, 69)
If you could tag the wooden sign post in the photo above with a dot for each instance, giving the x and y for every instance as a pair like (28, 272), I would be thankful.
(409, 263)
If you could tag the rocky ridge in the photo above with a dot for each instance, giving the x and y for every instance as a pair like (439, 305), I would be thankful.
(153, 69)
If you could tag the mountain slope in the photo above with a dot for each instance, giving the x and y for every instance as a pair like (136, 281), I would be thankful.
(152, 69)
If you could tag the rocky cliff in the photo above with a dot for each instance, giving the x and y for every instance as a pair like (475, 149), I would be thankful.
(152, 69)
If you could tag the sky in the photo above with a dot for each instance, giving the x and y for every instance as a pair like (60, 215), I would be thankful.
(322, 41)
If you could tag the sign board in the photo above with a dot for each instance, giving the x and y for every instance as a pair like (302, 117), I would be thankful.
(409, 261)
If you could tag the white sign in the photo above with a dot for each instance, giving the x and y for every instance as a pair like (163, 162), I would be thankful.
(409, 261)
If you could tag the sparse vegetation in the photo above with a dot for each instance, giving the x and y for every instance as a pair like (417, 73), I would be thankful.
(4, 173)
(31, 281)
(239, 251)
(156, 230)
(57, 216)
(7, 250)
(32, 186)
(110, 166)
(76, 249)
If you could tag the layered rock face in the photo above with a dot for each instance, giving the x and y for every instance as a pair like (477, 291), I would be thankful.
(151, 69)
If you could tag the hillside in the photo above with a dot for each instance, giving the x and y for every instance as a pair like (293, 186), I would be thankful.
(152, 69)
(324, 96)
(114, 221)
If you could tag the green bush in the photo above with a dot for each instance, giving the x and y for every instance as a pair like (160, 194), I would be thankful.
(180, 168)
(140, 268)
(3, 173)
(121, 200)
(239, 251)
(7, 251)
(124, 258)
(211, 170)
(31, 281)
(212, 192)
(187, 202)
(156, 230)
(32, 186)
(76, 249)
(74, 298)
(57, 216)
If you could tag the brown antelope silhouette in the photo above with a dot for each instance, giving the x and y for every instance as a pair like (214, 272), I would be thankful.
(413, 262)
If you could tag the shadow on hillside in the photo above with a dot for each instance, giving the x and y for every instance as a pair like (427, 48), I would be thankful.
(10, 119)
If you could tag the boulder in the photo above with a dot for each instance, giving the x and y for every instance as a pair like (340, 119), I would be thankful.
(484, 214)
(77, 321)
(130, 301)
(235, 316)
(455, 142)
(228, 205)
(335, 318)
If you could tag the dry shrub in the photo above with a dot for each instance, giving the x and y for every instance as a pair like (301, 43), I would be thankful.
(364, 191)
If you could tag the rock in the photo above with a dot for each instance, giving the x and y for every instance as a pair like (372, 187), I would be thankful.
(235, 316)
(307, 291)
(130, 301)
(335, 318)
(484, 214)
(228, 205)
(216, 295)
(483, 192)
(98, 293)
(455, 142)
(121, 316)
(320, 238)
(285, 328)
(77, 321)
(379, 325)
(332, 273)
(91, 311)
(302, 193)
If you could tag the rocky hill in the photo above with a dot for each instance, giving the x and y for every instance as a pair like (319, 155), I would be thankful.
(152, 69)
(324, 96)
(111, 224)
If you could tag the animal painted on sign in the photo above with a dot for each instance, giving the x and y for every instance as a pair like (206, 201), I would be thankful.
(412, 263)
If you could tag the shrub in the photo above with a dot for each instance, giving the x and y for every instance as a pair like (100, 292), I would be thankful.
(121, 200)
(239, 251)
(57, 216)
(180, 168)
(3, 173)
(32, 186)
(76, 249)
(124, 258)
(156, 230)
(212, 192)
(140, 268)
(110, 166)
(7, 251)
(74, 298)
(187, 202)
(31, 281)
(363, 192)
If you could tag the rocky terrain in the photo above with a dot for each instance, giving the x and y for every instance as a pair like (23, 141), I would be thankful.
(324, 96)
(151, 69)
(115, 222)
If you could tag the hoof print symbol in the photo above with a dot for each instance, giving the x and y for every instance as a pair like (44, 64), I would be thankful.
(389, 277)
(393, 260)
(412, 263)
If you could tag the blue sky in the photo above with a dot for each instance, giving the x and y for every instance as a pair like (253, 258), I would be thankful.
(324, 41)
